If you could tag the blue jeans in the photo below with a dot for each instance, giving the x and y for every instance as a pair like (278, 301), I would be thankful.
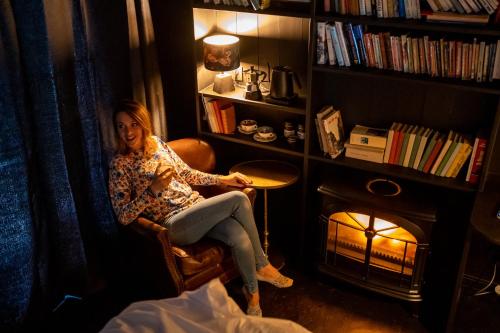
(229, 218)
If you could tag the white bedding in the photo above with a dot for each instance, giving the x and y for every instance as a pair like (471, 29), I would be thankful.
(207, 309)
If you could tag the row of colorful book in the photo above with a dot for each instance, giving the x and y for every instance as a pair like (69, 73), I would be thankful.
(220, 115)
(256, 4)
(420, 148)
(378, 8)
(406, 8)
(345, 44)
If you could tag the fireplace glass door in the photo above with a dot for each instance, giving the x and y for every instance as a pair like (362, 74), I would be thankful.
(390, 246)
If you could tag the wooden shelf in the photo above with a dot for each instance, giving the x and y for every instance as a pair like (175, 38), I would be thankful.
(488, 88)
(399, 172)
(297, 9)
(238, 94)
(414, 24)
(279, 145)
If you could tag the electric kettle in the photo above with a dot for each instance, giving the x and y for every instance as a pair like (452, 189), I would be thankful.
(282, 78)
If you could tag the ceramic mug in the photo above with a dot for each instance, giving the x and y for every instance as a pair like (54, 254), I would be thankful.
(248, 125)
(265, 132)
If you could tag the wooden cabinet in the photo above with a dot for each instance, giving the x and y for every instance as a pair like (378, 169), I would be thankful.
(285, 35)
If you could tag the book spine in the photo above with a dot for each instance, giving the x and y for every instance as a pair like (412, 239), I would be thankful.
(388, 143)
(414, 150)
(394, 146)
(354, 44)
(342, 42)
(320, 43)
(399, 146)
(336, 46)
(421, 149)
(477, 162)
(409, 148)
(461, 163)
(358, 35)
(318, 132)
(404, 146)
(332, 59)
(433, 155)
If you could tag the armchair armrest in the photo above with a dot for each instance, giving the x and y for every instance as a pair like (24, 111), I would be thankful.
(158, 235)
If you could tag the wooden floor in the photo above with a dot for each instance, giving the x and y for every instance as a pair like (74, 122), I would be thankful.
(319, 306)
(323, 308)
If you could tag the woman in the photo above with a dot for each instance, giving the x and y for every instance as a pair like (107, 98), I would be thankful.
(148, 178)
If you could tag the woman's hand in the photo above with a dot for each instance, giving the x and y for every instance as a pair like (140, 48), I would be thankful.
(235, 179)
(162, 178)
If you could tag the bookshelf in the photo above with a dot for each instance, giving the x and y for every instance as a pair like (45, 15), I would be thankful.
(365, 96)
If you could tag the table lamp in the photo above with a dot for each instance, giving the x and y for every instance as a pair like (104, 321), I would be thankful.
(221, 53)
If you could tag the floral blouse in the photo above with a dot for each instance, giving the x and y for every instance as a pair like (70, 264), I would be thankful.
(130, 175)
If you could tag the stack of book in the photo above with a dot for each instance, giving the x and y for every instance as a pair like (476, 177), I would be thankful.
(220, 115)
(330, 131)
(367, 143)
(345, 44)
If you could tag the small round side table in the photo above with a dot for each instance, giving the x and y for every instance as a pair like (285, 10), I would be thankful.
(267, 175)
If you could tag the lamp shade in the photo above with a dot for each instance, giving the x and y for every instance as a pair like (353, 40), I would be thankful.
(221, 53)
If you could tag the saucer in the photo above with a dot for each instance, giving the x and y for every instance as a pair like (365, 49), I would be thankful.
(257, 137)
(245, 132)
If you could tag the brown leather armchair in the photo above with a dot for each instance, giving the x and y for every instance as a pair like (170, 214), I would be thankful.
(187, 267)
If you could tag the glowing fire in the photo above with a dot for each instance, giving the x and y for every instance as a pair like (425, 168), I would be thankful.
(347, 236)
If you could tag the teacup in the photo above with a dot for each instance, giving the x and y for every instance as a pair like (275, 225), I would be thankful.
(265, 132)
(248, 125)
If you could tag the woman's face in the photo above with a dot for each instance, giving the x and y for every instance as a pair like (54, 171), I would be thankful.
(129, 131)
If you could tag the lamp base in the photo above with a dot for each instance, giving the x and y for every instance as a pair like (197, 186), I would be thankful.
(223, 83)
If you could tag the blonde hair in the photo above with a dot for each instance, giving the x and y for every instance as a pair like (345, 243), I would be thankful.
(140, 114)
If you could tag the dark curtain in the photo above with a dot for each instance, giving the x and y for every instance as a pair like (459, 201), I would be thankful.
(63, 64)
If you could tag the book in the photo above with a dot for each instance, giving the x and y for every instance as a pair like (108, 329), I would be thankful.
(441, 139)
(336, 45)
(442, 152)
(454, 158)
(321, 53)
(210, 114)
(318, 132)
(399, 145)
(416, 144)
(404, 145)
(319, 116)
(332, 59)
(334, 130)
(451, 17)
(476, 161)
(409, 146)
(343, 44)
(228, 118)
(447, 156)
(388, 144)
(225, 109)
(461, 160)
(368, 136)
(421, 147)
(450, 156)
(395, 140)
(428, 149)
(365, 153)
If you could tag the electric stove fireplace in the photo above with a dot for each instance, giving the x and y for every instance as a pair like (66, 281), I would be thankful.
(375, 233)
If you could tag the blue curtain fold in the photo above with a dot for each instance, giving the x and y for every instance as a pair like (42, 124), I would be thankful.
(58, 81)
(17, 265)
